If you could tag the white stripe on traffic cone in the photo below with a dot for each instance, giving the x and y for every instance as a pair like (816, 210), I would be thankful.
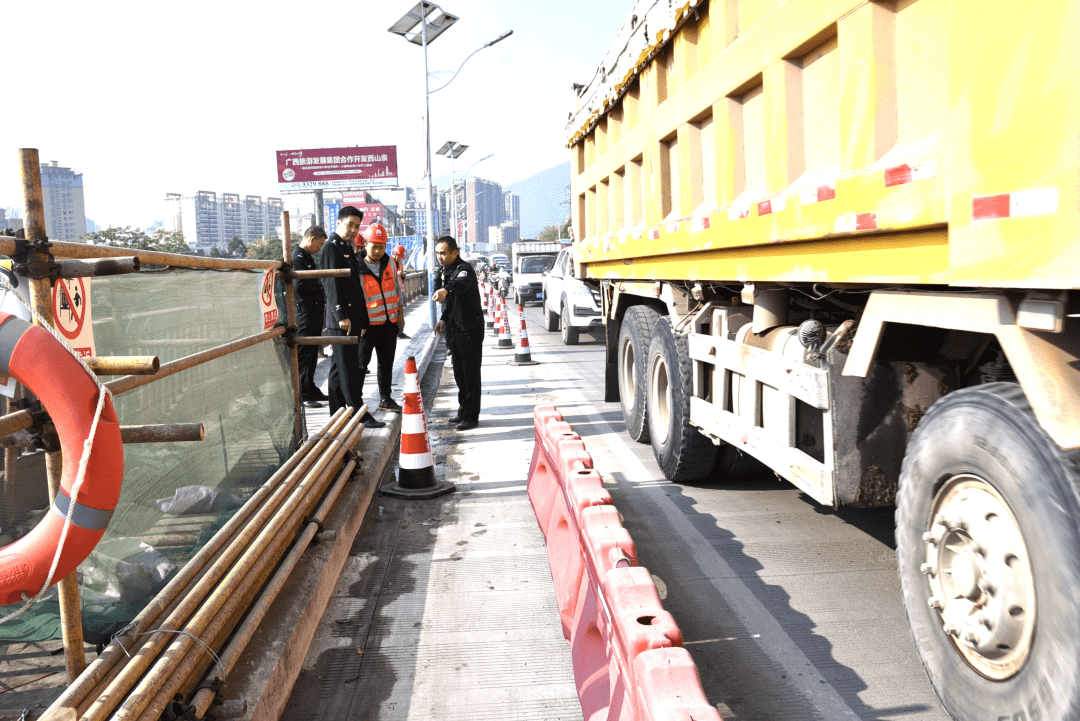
(522, 356)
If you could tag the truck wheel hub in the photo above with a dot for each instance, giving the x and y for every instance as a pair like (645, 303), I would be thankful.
(980, 578)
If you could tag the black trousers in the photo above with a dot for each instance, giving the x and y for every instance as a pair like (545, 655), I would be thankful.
(345, 382)
(382, 340)
(466, 355)
(308, 323)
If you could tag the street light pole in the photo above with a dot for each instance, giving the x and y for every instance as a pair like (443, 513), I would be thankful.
(431, 196)
(405, 26)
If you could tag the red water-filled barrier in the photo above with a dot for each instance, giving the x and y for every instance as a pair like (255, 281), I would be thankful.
(629, 663)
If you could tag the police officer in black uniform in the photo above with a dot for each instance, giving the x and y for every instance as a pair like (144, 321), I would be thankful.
(345, 315)
(463, 322)
(310, 307)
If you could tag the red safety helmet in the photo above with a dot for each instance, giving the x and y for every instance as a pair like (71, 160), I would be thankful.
(374, 233)
(399, 252)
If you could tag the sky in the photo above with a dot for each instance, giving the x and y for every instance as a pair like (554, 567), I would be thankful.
(148, 98)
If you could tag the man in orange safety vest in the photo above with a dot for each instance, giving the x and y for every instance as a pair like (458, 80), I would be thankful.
(384, 302)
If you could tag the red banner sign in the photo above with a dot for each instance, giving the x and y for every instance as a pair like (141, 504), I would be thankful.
(337, 168)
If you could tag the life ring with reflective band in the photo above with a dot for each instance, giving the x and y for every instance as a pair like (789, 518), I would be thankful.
(37, 360)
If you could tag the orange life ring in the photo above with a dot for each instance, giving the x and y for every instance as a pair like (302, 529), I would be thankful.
(37, 360)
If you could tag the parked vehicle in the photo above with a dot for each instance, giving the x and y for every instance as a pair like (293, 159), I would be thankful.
(843, 238)
(531, 260)
(569, 304)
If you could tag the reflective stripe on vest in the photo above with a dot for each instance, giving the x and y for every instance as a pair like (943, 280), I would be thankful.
(382, 301)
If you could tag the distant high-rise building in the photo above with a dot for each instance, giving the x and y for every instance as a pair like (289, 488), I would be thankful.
(512, 208)
(9, 222)
(502, 236)
(62, 197)
(484, 208)
(208, 222)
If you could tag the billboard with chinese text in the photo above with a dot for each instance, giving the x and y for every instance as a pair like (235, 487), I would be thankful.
(337, 168)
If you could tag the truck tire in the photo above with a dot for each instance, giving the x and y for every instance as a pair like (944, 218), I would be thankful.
(635, 333)
(682, 452)
(551, 320)
(988, 550)
(569, 332)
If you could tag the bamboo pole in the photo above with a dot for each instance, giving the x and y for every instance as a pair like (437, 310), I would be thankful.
(106, 667)
(193, 617)
(122, 365)
(11, 466)
(127, 383)
(328, 340)
(9, 246)
(194, 665)
(290, 323)
(16, 421)
(163, 433)
(87, 268)
(41, 296)
(321, 273)
(243, 635)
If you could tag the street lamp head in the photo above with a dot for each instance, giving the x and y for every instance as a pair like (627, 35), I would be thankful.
(502, 37)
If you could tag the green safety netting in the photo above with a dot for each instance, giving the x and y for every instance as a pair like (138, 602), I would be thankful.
(175, 495)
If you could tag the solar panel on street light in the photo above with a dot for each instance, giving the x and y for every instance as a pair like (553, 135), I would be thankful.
(410, 25)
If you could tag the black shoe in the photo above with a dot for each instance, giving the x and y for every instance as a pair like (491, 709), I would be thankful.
(312, 403)
(389, 404)
(403, 335)
(454, 419)
(466, 425)
(369, 421)
(319, 396)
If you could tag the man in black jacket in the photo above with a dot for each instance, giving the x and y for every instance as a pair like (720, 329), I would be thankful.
(463, 322)
(345, 315)
(310, 307)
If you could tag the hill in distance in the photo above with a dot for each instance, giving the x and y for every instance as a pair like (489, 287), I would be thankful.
(545, 199)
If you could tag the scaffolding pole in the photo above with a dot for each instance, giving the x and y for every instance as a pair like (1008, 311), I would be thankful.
(41, 297)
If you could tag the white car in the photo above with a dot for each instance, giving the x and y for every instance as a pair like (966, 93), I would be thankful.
(569, 304)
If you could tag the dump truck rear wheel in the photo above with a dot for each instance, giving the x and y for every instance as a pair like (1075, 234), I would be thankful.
(681, 450)
(635, 333)
(988, 549)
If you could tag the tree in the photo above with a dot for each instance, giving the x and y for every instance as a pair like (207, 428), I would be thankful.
(267, 248)
(214, 253)
(164, 241)
(236, 247)
(554, 232)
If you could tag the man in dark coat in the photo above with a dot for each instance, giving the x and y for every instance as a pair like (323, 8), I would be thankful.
(463, 322)
(345, 315)
(310, 308)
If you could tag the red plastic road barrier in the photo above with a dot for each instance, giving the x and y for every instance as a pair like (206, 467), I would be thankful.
(627, 650)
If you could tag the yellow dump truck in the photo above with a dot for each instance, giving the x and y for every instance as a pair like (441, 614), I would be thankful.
(843, 237)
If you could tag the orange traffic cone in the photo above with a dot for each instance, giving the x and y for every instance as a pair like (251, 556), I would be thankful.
(416, 469)
(490, 318)
(496, 328)
(505, 341)
(522, 355)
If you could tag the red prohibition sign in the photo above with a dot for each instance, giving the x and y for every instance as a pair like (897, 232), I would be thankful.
(268, 287)
(75, 306)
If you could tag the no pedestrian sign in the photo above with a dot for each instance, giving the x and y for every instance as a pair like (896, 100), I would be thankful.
(71, 314)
